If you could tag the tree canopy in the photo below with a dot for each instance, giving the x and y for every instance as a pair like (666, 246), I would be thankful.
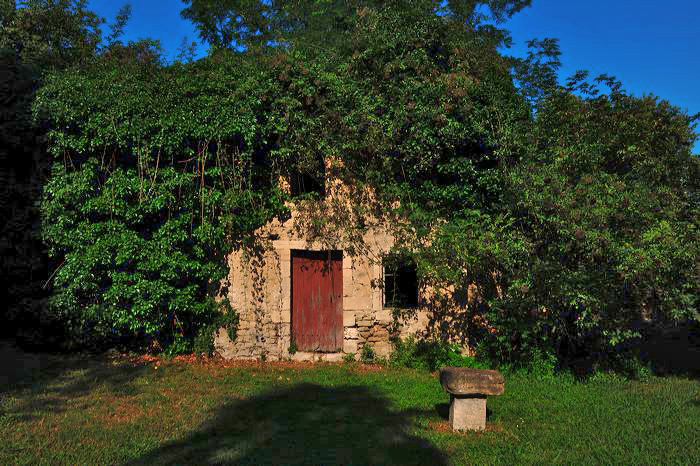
(321, 24)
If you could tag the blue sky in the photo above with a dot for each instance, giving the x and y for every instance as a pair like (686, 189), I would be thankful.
(651, 47)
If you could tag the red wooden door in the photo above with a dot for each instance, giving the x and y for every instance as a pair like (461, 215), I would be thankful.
(317, 300)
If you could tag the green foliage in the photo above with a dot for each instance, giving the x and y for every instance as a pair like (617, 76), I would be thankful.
(141, 209)
(180, 345)
(598, 229)
(349, 358)
(367, 355)
(308, 24)
(150, 188)
(223, 317)
(293, 346)
(117, 28)
(36, 38)
(571, 212)
(632, 367)
(50, 34)
(538, 364)
(429, 355)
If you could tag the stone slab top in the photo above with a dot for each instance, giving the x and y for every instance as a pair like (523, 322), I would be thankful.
(468, 381)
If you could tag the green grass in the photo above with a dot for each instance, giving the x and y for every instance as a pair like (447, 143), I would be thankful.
(72, 410)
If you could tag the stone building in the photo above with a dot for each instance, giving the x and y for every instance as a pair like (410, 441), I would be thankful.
(310, 295)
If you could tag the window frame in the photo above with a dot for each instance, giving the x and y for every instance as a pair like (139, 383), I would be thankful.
(408, 303)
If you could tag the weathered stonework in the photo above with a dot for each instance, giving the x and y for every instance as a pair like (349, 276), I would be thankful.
(468, 412)
(468, 389)
(259, 289)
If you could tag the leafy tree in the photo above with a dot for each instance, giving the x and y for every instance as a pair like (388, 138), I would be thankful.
(616, 226)
(598, 229)
(318, 24)
(148, 189)
(51, 33)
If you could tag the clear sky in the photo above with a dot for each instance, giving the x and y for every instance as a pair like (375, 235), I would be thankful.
(652, 47)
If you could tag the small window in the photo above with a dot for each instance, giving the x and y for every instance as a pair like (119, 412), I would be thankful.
(400, 282)
(301, 183)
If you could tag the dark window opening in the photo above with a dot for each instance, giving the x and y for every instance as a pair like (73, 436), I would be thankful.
(400, 282)
(302, 183)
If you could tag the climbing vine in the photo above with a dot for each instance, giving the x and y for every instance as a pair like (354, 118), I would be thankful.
(157, 172)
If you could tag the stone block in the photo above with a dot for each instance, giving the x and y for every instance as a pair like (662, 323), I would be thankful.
(467, 381)
(468, 389)
(286, 316)
(382, 348)
(365, 323)
(348, 318)
(351, 333)
(384, 316)
(361, 276)
(350, 346)
(331, 357)
(302, 356)
(468, 413)
(224, 346)
(352, 301)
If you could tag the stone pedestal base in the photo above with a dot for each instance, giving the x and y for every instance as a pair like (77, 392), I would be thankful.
(468, 412)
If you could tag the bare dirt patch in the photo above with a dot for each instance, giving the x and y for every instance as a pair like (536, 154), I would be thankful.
(366, 368)
(440, 426)
(443, 426)
(217, 362)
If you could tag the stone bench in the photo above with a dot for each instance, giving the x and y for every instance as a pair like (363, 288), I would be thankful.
(468, 389)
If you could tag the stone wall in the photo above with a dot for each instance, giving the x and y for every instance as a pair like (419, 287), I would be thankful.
(259, 289)
(259, 281)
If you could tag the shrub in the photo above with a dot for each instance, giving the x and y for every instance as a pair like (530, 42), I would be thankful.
(429, 355)
(292, 346)
(367, 354)
(227, 319)
(598, 227)
(179, 345)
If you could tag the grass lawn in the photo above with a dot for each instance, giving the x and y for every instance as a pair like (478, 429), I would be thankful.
(113, 410)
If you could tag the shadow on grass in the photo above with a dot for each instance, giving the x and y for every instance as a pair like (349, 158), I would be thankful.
(304, 424)
(443, 410)
(49, 383)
